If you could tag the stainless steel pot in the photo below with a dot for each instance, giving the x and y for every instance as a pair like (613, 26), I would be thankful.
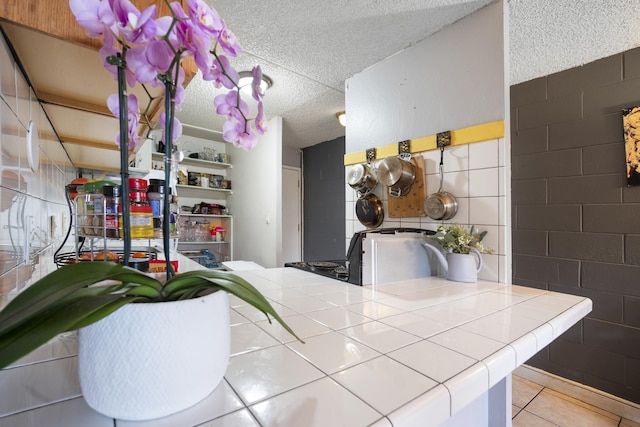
(370, 211)
(362, 179)
(397, 174)
(441, 205)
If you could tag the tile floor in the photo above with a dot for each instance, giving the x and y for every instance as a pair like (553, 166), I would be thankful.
(537, 406)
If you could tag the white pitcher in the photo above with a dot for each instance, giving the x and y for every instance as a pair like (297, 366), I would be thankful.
(458, 267)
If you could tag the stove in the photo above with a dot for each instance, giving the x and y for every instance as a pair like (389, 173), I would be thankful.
(377, 255)
(334, 269)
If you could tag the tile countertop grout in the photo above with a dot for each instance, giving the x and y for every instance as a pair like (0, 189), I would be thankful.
(400, 351)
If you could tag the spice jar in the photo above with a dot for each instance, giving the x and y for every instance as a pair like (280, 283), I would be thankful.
(155, 194)
(81, 208)
(111, 208)
(99, 207)
(87, 218)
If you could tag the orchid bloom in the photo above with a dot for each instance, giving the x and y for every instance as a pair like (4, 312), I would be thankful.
(152, 50)
(113, 103)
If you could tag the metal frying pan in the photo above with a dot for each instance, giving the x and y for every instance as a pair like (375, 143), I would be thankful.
(369, 210)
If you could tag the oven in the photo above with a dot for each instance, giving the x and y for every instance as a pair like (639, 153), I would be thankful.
(378, 256)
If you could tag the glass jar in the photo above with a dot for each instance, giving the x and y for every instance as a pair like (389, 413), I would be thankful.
(87, 220)
(155, 194)
(112, 203)
(81, 208)
(99, 207)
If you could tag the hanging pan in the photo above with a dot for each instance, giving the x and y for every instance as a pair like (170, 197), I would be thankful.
(441, 205)
(369, 210)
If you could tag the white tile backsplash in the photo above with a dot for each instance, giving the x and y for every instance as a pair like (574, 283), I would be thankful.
(476, 174)
(30, 201)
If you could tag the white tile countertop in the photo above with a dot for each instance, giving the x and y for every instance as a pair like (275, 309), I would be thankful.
(415, 352)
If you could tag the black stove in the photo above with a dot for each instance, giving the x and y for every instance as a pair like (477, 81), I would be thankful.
(334, 269)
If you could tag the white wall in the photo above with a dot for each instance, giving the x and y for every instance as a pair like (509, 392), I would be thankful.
(450, 80)
(256, 202)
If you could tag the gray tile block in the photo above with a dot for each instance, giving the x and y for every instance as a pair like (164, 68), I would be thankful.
(612, 98)
(606, 305)
(632, 249)
(586, 132)
(604, 364)
(561, 109)
(621, 390)
(616, 278)
(549, 217)
(586, 189)
(547, 165)
(597, 73)
(631, 311)
(631, 194)
(621, 339)
(632, 63)
(528, 92)
(621, 218)
(545, 270)
(529, 192)
(529, 141)
(598, 247)
(529, 242)
(606, 158)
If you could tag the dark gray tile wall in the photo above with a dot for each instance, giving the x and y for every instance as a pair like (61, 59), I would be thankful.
(576, 225)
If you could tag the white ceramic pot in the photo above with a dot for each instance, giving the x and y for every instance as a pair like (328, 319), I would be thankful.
(464, 267)
(149, 360)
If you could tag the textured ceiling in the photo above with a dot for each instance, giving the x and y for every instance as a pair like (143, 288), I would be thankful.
(309, 48)
(547, 36)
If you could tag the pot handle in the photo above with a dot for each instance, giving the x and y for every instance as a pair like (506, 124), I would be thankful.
(395, 192)
(479, 256)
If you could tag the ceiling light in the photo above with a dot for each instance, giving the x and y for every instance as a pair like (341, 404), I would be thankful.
(246, 78)
(342, 118)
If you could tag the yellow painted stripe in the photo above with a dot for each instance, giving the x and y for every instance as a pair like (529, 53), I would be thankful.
(468, 135)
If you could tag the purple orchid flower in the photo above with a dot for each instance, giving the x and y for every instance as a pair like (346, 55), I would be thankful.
(222, 73)
(261, 121)
(93, 15)
(135, 26)
(229, 42)
(113, 103)
(239, 134)
(256, 90)
(177, 126)
(205, 18)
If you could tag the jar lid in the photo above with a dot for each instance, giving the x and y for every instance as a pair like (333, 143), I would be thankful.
(138, 183)
(138, 195)
(89, 187)
(101, 184)
(154, 181)
(156, 188)
(111, 190)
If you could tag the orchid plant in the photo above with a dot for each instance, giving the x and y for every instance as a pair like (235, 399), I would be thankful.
(152, 49)
(141, 49)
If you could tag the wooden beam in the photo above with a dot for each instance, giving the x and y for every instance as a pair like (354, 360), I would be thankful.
(87, 143)
(62, 101)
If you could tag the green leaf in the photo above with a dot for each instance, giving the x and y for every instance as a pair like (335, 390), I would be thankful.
(57, 285)
(42, 327)
(232, 284)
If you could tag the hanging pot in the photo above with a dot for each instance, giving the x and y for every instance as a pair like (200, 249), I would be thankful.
(362, 179)
(441, 205)
(369, 210)
(397, 174)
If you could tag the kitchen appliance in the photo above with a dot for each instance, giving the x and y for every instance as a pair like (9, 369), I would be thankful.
(378, 256)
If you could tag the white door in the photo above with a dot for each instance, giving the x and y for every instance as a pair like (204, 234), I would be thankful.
(291, 214)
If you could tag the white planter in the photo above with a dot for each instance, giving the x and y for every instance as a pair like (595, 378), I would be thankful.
(149, 360)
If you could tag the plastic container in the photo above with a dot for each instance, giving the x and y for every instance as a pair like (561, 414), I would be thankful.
(140, 222)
